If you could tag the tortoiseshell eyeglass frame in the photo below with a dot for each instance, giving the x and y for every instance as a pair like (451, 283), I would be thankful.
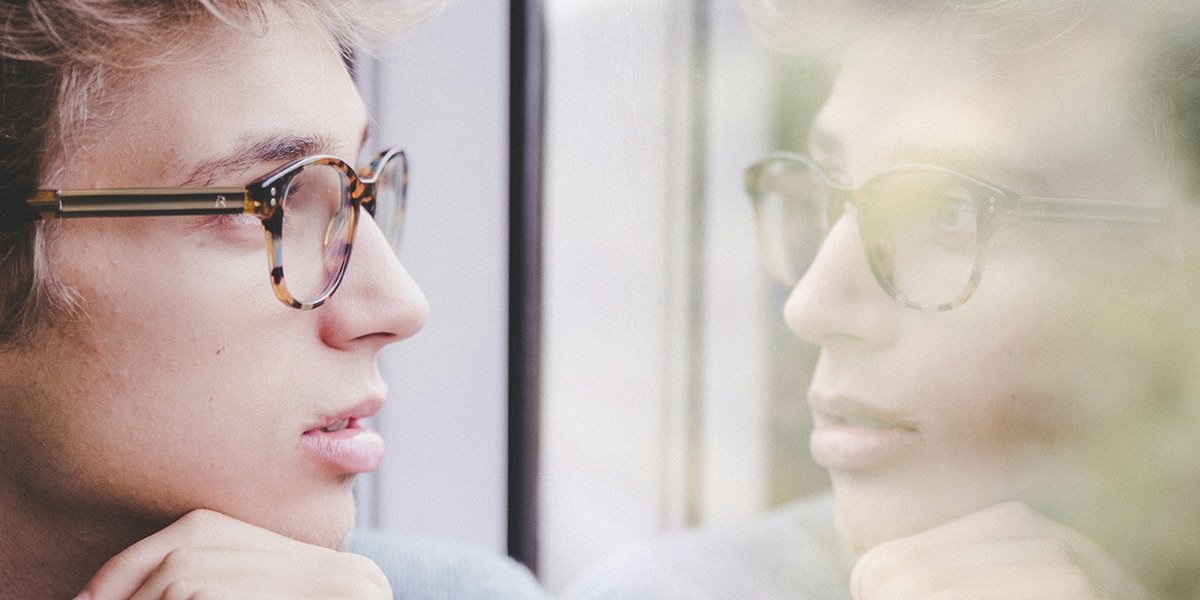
(994, 206)
(263, 198)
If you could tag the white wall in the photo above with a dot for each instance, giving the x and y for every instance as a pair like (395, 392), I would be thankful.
(443, 95)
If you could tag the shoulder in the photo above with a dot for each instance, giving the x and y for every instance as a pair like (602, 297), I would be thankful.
(429, 569)
(792, 553)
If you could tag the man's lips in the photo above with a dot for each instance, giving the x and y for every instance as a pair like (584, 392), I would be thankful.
(850, 435)
(336, 420)
(338, 426)
(341, 441)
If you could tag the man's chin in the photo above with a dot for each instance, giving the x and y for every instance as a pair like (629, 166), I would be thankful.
(332, 533)
(864, 523)
(326, 523)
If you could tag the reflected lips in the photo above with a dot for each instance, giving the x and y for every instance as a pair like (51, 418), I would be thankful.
(850, 436)
(344, 443)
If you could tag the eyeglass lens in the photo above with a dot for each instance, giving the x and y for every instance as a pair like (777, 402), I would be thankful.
(919, 226)
(319, 219)
(389, 199)
(318, 216)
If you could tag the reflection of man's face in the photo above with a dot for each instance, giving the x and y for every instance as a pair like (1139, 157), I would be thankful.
(188, 384)
(922, 417)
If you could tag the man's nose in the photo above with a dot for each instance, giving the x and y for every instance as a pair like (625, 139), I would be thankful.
(838, 299)
(377, 302)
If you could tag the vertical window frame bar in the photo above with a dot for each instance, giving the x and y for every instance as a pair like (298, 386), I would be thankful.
(526, 99)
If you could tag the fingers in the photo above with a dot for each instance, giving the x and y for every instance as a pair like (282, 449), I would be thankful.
(121, 576)
(209, 551)
(190, 573)
(1043, 567)
(1006, 551)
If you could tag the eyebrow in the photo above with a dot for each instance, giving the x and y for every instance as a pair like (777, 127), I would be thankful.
(983, 164)
(826, 150)
(259, 151)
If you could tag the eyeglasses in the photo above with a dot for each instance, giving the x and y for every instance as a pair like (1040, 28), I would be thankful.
(311, 202)
(925, 229)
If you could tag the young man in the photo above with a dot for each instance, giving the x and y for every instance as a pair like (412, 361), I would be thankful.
(185, 371)
(991, 237)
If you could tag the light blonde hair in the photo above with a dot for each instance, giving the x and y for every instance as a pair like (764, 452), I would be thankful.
(1163, 35)
(64, 65)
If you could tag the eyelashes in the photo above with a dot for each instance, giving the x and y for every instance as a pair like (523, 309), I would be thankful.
(231, 223)
(236, 229)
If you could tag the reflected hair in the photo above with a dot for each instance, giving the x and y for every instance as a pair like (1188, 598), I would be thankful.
(65, 69)
(1163, 35)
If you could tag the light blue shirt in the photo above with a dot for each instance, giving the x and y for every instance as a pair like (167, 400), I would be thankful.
(793, 553)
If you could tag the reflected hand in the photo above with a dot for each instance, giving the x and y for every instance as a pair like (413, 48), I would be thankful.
(208, 554)
(1006, 551)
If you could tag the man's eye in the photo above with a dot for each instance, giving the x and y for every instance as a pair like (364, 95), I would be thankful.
(928, 200)
(927, 209)
(240, 226)
(237, 221)
(951, 213)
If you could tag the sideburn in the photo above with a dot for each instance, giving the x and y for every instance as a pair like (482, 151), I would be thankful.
(31, 296)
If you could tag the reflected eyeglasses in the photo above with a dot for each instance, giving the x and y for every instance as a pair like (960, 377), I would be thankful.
(925, 229)
(312, 202)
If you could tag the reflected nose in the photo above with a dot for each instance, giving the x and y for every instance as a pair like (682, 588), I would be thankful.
(377, 302)
(838, 299)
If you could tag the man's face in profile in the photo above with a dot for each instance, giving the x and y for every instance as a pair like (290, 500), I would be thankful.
(186, 384)
(925, 416)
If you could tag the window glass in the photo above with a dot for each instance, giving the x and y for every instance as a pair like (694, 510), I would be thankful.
(673, 393)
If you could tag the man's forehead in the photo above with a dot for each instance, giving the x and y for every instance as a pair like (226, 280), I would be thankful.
(275, 97)
(939, 99)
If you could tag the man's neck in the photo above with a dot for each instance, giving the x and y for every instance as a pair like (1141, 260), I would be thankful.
(53, 553)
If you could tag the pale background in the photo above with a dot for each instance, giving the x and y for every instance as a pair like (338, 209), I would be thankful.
(660, 406)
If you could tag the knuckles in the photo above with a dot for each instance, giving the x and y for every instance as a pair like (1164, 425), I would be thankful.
(1078, 583)
(201, 518)
(198, 525)
(896, 569)
(908, 569)
(182, 560)
(1017, 513)
(186, 590)
(196, 568)
(368, 579)
(329, 574)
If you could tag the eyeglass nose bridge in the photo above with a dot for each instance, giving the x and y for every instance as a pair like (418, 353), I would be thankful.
(371, 178)
(835, 202)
